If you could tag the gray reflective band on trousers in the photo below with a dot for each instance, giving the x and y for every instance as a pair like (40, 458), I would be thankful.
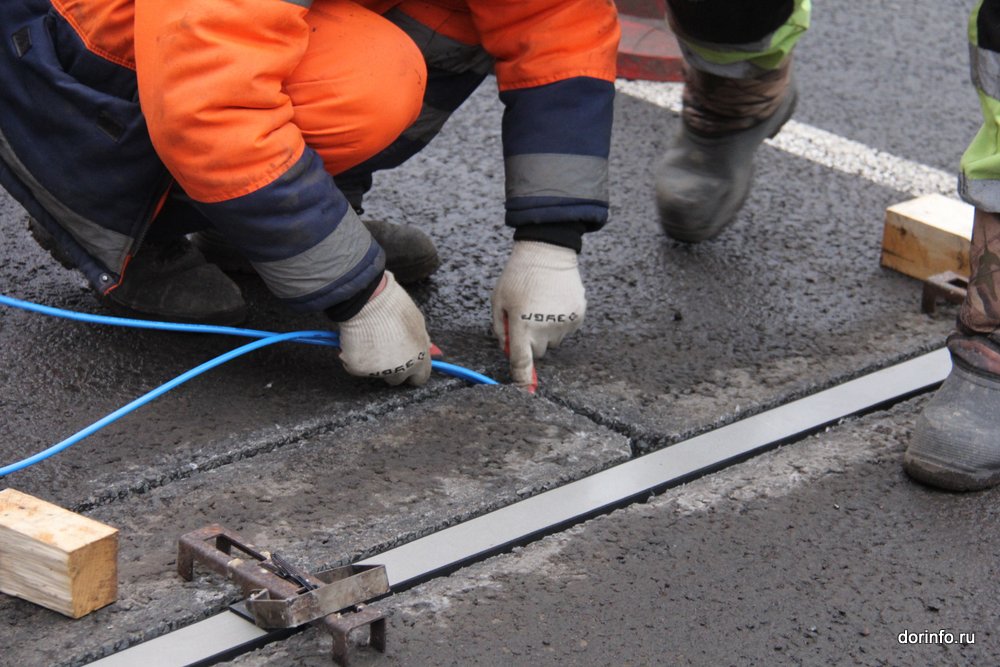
(736, 70)
(324, 264)
(984, 195)
(106, 246)
(739, 70)
(556, 175)
(985, 70)
(440, 51)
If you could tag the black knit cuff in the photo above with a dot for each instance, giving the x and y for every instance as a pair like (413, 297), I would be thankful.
(345, 310)
(565, 234)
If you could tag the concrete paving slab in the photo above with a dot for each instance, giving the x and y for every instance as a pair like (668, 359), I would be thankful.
(787, 301)
(61, 376)
(331, 497)
(821, 552)
(706, 334)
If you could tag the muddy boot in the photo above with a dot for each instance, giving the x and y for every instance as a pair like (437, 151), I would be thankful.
(409, 253)
(956, 440)
(703, 179)
(168, 280)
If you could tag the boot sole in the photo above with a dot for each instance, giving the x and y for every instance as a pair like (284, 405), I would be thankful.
(943, 476)
(226, 318)
(953, 443)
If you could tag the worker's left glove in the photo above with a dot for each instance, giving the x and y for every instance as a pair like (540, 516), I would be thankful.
(387, 339)
(538, 301)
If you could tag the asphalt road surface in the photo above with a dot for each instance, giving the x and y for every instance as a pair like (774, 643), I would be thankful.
(820, 552)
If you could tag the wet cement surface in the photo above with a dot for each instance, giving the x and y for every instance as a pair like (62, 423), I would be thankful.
(328, 498)
(678, 339)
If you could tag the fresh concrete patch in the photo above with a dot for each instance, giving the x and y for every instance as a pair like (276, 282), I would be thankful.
(820, 552)
(324, 500)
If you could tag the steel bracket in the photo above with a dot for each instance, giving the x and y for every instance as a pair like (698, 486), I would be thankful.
(283, 597)
(949, 286)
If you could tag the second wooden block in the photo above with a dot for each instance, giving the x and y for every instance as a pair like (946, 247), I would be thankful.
(927, 235)
(56, 558)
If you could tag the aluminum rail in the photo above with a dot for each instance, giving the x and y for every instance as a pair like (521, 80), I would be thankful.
(225, 635)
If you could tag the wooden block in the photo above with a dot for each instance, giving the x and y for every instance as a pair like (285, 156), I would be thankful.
(927, 235)
(56, 558)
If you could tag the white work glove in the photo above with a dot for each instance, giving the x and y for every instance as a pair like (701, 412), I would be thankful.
(538, 301)
(387, 339)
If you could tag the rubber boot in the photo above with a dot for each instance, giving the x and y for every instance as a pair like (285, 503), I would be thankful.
(409, 253)
(703, 179)
(166, 280)
(955, 443)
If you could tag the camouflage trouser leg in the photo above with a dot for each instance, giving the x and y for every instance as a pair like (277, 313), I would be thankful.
(954, 443)
(736, 56)
(979, 183)
(981, 311)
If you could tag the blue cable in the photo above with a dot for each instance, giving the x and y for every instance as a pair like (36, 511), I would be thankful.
(265, 338)
(330, 337)
(155, 393)
(462, 373)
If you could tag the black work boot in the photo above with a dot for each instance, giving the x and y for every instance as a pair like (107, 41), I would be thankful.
(955, 443)
(703, 179)
(409, 253)
(168, 280)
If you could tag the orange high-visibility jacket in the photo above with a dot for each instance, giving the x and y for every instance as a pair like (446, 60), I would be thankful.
(250, 106)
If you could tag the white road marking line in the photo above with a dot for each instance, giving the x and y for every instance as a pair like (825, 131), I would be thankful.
(824, 148)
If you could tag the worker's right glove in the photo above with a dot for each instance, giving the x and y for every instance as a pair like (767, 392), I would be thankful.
(387, 339)
(538, 301)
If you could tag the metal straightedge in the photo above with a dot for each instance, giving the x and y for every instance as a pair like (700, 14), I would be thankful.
(283, 597)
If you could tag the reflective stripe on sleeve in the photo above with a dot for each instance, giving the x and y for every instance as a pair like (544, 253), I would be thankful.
(557, 175)
(325, 263)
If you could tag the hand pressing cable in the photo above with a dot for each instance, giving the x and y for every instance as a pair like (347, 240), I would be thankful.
(387, 339)
(538, 301)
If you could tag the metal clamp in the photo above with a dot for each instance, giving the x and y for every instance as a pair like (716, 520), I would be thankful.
(281, 596)
(344, 587)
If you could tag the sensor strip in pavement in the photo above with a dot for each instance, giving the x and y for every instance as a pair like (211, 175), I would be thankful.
(226, 635)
